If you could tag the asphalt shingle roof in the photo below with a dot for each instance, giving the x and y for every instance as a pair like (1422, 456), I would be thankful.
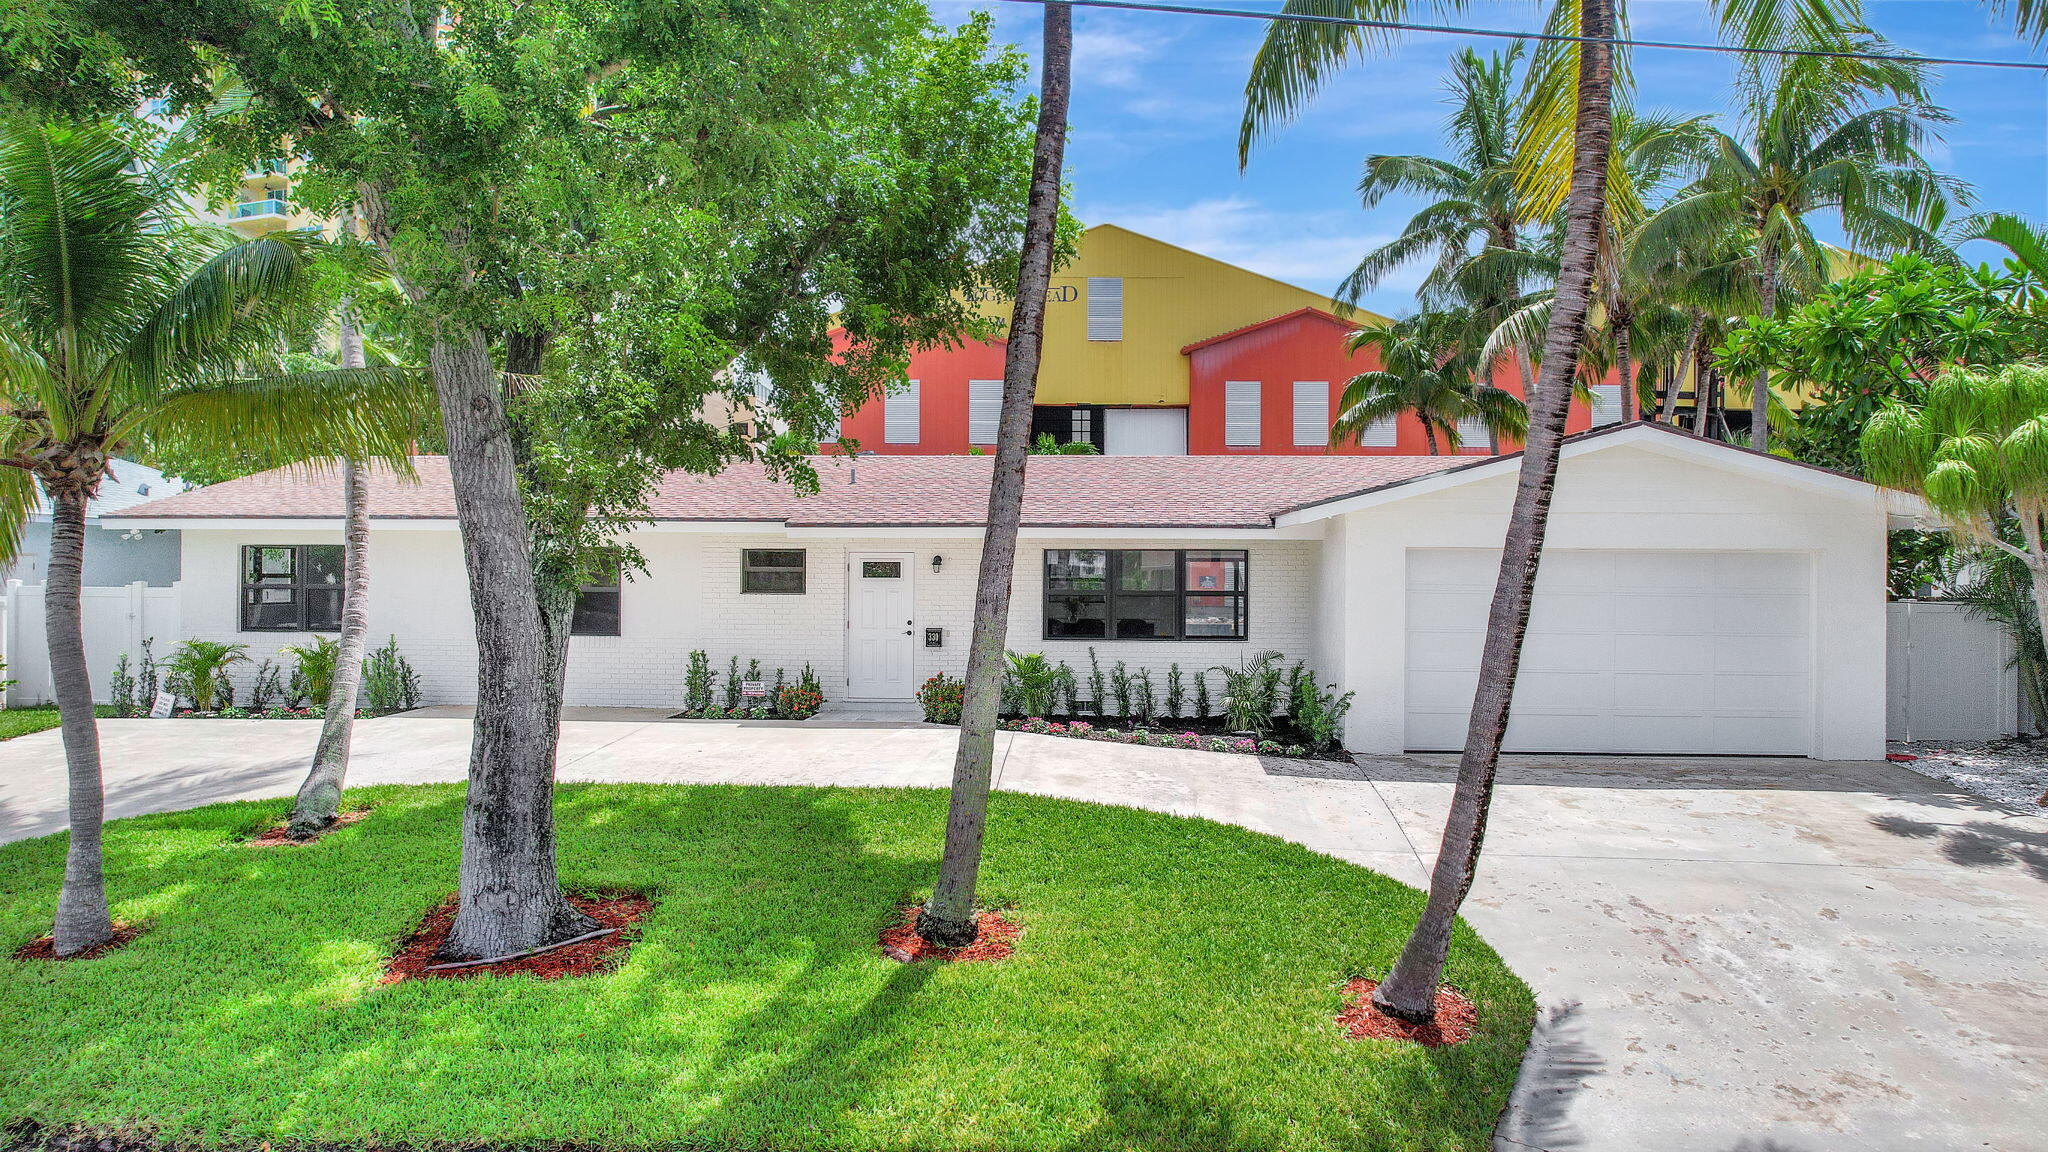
(881, 491)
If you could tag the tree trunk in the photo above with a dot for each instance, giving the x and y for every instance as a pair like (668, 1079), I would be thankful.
(510, 898)
(82, 920)
(1429, 437)
(1760, 390)
(1685, 361)
(1409, 992)
(1624, 364)
(318, 803)
(1706, 392)
(948, 917)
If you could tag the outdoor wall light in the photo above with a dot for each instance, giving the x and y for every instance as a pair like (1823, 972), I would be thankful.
(938, 562)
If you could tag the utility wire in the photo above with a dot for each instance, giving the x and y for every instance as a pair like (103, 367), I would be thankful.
(1504, 34)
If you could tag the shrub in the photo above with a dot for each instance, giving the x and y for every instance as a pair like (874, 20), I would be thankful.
(1095, 696)
(147, 675)
(121, 687)
(313, 675)
(941, 698)
(732, 685)
(698, 682)
(795, 702)
(200, 670)
(1035, 682)
(1202, 709)
(809, 682)
(1142, 697)
(268, 689)
(389, 682)
(1120, 689)
(1320, 715)
(1176, 692)
(1252, 692)
(1069, 690)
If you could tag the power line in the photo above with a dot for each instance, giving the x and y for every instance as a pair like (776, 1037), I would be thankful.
(1505, 34)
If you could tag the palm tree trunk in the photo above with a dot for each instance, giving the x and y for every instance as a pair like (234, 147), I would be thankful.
(1706, 389)
(1760, 391)
(948, 917)
(1624, 364)
(82, 920)
(1429, 436)
(1685, 360)
(1409, 992)
(319, 800)
(510, 898)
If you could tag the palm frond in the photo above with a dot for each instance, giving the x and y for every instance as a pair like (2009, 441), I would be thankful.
(354, 413)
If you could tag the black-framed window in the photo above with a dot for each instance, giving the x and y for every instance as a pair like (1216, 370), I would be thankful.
(599, 609)
(291, 587)
(774, 571)
(1147, 594)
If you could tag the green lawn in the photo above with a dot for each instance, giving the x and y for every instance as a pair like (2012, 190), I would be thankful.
(22, 721)
(1173, 990)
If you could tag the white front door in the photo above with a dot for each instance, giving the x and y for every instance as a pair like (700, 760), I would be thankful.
(879, 626)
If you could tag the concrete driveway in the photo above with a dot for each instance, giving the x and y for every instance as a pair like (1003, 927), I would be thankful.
(1763, 955)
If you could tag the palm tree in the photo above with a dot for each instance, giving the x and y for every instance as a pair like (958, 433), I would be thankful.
(122, 325)
(947, 920)
(1818, 134)
(1425, 370)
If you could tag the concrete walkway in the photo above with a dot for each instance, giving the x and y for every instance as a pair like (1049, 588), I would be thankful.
(1764, 955)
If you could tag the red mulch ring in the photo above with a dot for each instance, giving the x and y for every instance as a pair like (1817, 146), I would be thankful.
(996, 938)
(275, 834)
(620, 911)
(1455, 1017)
(45, 947)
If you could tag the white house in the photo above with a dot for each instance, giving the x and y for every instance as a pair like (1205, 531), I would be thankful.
(1695, 597)
(114, 558)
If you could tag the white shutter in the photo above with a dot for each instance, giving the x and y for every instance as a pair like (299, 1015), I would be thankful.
(1473, 436)
(1380, 434)
(1241, 413)
(1311, 413)
(899, 417)
(1105, 307)
(1606, 404)
(984, 410)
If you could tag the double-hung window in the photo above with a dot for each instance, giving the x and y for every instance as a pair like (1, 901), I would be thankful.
(1146, 594)
(291, 587)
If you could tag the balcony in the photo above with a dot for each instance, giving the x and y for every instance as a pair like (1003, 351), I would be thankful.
(250, 208)
(257, 217)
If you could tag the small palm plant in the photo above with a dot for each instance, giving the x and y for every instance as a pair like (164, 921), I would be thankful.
(1037, 683)
(1251, 692)
(201, 668)
(1425, 369)
(313, 677)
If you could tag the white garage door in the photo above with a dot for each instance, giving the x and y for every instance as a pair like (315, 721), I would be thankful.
(1700, 652)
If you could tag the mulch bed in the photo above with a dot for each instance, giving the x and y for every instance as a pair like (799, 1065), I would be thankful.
(1455, 1017)
(45, 947)
(275, 834)
(416, 956)
(996, 938)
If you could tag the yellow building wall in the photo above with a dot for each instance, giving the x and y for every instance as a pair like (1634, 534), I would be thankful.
(1172, 298)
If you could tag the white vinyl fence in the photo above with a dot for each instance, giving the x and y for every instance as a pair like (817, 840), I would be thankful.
(117, 620)
(1948, 674)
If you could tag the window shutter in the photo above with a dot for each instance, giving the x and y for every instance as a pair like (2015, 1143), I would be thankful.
(984, 410)
(899, 417)
(1105, 307)
(1606, 404)
(1379, 435)
(1241, 413)
(1311, 413)
(1473, 436)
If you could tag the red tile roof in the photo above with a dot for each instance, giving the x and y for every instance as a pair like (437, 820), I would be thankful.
(881, 491)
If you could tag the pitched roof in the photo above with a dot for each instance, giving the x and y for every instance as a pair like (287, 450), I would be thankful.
(878, 491)
(1364, 321)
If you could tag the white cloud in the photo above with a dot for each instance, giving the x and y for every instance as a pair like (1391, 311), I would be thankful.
(1111, 57)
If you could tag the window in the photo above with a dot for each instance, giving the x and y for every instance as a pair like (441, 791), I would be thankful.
(1068, 425)
(597, 611)
(778, 571)
(1241, 413)
(1606, 404)
(1380, 434)
(899, 416)
(1311, 413)
(1105, 307)
(1474, 436)
(1146, 594)
(291, 587)
(984, 410)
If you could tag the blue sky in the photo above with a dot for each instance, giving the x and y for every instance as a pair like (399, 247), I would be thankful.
(1157, 99)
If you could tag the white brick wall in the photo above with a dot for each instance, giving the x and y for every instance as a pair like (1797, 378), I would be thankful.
(689, 597)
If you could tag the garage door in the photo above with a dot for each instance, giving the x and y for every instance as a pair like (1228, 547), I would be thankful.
(1673, 652)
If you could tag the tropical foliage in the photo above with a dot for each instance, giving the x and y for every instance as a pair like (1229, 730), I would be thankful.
(1428, 373)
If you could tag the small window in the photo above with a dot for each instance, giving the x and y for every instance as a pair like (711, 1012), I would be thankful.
(778, 571)
(598, 609)
(291, 587)
(1146, 594)
(900, 422)
(1241, 413)
(984, 410)
(1311, 413)
(1105, 308)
